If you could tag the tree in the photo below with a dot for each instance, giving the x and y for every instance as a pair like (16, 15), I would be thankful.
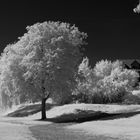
(49, 57)
(86, 82)
(10, 72)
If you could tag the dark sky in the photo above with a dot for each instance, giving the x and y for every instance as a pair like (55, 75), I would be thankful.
(112, 27)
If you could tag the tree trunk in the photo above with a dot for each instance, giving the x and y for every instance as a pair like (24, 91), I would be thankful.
(43, 109)
(43, 104)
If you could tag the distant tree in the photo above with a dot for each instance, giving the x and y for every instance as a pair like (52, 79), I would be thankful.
(44, 61)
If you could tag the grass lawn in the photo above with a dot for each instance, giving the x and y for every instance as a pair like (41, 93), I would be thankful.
(83, 122)
(59, 132)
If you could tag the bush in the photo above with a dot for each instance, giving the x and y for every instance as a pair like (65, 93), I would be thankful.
(107, 82)
(131, 99)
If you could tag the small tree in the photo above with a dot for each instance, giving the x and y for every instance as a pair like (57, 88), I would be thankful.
(85, 82)
(49, 57)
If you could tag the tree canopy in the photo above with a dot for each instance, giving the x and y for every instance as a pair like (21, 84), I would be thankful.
(43, 62)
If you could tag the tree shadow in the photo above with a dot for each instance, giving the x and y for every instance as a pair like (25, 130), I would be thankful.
(78, 116)
(85, 116)
(120, 115)
(27, 110)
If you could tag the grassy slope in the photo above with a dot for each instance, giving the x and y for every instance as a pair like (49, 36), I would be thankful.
(112, 122)
(122, 128)
(75, 109)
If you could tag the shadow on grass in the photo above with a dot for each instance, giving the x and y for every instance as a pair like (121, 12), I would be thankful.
(78, 116)
(84, 116)
(27, 110)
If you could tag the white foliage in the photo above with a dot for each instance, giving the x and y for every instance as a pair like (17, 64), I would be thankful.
(106, 80)
(43, 61)
(136, 93)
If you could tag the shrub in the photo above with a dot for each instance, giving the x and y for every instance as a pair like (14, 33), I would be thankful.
(131, 99)
(107, 82)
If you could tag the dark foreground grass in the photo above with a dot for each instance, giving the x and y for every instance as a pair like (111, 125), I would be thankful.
(59, 132)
